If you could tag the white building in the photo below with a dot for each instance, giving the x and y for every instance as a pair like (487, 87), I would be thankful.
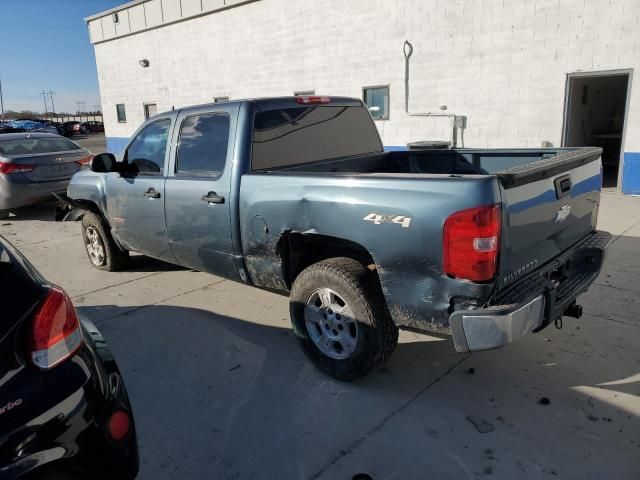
(525, 73)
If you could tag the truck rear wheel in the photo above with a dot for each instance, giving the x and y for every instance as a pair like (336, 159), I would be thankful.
(101, 249)
(340, 318)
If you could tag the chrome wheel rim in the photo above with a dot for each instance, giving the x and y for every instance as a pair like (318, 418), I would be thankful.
(331, 324)
(94, 246)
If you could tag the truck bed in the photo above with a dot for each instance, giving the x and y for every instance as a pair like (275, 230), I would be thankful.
(505, 163)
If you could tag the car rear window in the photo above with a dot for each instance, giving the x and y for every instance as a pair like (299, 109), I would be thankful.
(299, 135)
(33, 146)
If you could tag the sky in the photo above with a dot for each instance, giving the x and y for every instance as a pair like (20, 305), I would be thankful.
(44, 45)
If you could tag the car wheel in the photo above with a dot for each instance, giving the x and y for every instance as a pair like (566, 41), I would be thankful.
(340, 318)
(101, 249)
(4, 214)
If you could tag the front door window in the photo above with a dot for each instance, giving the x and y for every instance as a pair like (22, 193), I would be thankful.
(147, 151)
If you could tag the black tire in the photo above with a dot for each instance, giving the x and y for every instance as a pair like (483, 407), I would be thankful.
(113, 258)
(377, 336)
(4, 214)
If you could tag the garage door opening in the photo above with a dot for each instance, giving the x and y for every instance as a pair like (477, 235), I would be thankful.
(595, 116)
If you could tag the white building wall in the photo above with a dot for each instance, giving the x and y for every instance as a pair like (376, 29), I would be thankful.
(503, 63)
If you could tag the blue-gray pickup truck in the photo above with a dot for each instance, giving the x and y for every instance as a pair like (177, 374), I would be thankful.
(297, 195)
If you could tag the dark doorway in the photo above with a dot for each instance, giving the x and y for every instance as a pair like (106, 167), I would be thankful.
(595, 115)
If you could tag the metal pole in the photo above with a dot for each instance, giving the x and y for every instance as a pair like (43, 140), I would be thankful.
(1, 102)
(53, 107)
(44, 98)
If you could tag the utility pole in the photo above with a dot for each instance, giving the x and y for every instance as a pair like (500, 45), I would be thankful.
(1, 102)
(53, 107)
(44, 98)
(80, 108)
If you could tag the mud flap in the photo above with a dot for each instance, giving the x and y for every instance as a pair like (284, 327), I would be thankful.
(67, 210)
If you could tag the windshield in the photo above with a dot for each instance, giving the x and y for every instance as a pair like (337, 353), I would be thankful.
(299, 135)
(34, 146)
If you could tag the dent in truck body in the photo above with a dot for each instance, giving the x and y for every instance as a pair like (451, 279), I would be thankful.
(417, 293)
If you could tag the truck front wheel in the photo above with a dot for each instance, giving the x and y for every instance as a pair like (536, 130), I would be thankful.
(101, 249)
(340, 318)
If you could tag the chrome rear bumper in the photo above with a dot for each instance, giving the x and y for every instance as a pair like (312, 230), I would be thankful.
(484, 329)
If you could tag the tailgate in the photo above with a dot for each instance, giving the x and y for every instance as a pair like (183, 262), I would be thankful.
(548, 205)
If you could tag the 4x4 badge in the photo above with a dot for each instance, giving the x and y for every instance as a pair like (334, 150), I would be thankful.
(379, 218)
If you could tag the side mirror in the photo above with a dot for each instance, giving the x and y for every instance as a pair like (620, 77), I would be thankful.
(103, 163)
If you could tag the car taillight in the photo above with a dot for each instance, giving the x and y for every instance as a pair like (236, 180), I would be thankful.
(6, 167)
(85, 160)
(310, 100)
(119, 425)
(471, 243)
(55, 334)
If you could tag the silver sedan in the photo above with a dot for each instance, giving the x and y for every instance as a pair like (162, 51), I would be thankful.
(35, 165)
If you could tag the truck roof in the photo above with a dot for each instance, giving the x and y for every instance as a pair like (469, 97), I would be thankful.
(271, 103)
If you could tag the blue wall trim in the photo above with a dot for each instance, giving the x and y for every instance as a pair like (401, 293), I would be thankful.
(393, 148)
(631, 173)
(116, 145)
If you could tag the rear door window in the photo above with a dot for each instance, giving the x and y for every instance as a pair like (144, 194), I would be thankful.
(147, 151)
(35, 146)
(204, 141)
(300, 135)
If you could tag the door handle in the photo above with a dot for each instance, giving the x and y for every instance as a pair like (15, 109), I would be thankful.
(563, 186)
(151, 193)
(212, 197)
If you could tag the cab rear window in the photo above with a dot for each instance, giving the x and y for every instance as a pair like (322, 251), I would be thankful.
(300, 135)
(34, 146)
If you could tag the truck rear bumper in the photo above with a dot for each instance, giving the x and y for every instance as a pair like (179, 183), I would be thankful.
(534, 302)
(484, 329)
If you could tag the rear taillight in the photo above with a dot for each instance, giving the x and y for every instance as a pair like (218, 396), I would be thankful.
(119, 425)
(15, 167)
(311, 100)
(85, 161)
(471, 243)
(55, 334)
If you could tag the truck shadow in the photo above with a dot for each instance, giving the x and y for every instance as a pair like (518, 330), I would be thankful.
(242, 394)
(143, 264)
(45, 211)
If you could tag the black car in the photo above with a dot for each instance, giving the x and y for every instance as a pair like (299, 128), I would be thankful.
(68, 128)
(64, 410)
(92, 126)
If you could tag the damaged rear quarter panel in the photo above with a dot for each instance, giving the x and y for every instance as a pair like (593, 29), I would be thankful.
(408, 258)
